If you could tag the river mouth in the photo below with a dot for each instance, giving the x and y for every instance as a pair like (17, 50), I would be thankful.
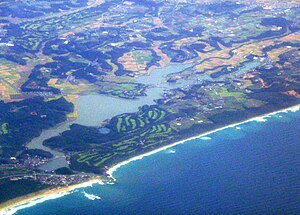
(95, 108)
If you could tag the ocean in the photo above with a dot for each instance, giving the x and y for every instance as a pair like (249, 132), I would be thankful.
(252, 168)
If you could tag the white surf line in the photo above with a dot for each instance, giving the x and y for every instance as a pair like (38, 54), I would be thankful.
(42, 198)
(261, 118)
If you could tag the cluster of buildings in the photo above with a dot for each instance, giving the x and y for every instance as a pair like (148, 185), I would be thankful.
(61, 180)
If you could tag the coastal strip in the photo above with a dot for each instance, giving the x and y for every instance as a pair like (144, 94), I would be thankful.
(260, 118)
(12, 206)
(30, 200)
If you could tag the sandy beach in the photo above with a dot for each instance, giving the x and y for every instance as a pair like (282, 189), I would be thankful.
(14, 205)
(29, 200)
(260, 118)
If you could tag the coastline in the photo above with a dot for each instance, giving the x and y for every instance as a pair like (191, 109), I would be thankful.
(12, 206)
(260, 118)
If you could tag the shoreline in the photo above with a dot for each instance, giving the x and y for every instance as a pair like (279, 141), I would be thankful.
(12, 206)
(260, 118)
(22, 202)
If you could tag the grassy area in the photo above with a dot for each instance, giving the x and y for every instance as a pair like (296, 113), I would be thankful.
(4, 129)
(129, 123)
(132, 130)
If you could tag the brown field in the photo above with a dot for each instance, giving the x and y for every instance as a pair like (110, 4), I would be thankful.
(274, 3)
(253, 47)
(274, 54)
(268, 3)
(72, 99)
(157, 21)
(133, 61)
(71, 89)
(52, 81)
(165, 59)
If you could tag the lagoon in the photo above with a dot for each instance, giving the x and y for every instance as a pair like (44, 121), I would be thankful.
(95, 108)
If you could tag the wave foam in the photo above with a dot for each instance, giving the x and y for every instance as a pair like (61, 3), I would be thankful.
(54, 195)
(260, 119)
(171, 151)
(294, 109)
(13, 210)
(91, 196)
(87, 184)
(205, 138)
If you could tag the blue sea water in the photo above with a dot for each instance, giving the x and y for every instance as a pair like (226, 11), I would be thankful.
(253, 168)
